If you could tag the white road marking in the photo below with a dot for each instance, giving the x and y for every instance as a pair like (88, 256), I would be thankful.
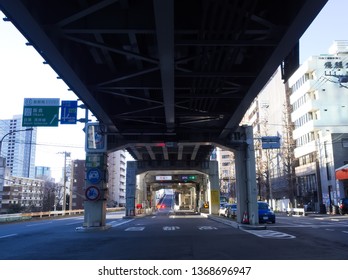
(73, 223)
(207, 228)
(271, 234)
(168, 228)
(135, 229)
(119, 224)
(40, 224)
(9, 235)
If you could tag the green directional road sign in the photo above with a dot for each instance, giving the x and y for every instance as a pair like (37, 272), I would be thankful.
(40, 112)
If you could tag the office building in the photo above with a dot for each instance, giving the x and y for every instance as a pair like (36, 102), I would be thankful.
(319, 100)
(43, 172)
(18, 146)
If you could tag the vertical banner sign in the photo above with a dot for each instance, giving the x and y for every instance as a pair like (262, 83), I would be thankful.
(40, 112)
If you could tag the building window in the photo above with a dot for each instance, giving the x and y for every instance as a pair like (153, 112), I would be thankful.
(328, 171)
(345, 142)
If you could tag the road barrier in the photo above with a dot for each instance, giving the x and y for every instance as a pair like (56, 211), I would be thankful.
(28, 216)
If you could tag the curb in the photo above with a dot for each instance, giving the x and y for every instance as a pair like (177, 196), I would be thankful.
(234, 223)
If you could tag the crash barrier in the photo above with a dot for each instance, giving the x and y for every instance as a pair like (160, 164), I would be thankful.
(28, 216)
(296, 211)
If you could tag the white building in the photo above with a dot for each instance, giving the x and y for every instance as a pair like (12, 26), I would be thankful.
(18, 147)
(268, 116)
(117, 178)
(227, 174)
(319, 99)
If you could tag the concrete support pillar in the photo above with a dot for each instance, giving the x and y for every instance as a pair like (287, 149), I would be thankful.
(96, 192)
(246, 180)
(214, 188)
(130, 188)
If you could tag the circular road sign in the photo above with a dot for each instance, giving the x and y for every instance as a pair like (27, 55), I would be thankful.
(94, 175)
(92, 193)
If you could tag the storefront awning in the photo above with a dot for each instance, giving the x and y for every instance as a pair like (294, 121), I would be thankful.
(342, 172)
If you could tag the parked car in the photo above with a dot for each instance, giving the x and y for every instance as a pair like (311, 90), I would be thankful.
(223, 209)
(343, 206)
(232, 211)
(309, 207)
(266, 214)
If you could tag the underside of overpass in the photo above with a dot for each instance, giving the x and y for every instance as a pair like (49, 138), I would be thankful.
(168, 80)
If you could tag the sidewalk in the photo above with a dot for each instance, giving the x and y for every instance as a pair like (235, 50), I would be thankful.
(233, 223)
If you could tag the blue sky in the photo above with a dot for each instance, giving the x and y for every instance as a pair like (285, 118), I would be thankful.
(331, 24)
(23, 74)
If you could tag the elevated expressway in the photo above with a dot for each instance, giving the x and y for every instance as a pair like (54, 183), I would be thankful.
(168, 80)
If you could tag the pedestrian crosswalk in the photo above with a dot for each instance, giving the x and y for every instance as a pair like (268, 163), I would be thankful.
(169, 228)
(172, 228)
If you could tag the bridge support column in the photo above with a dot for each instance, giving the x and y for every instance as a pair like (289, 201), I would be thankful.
(214, 188)
(246, 179)
(96, 192)
(130, 188)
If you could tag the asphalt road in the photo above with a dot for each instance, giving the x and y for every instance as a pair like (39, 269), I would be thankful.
(182, 237)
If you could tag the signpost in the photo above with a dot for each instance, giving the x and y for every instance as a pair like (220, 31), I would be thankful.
(40, 112)
(68, 112)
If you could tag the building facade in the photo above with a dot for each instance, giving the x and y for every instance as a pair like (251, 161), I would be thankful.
(319, 100)
(227, 175)
(78, 175)
(18, 147)
(22, 195)
(269, 117)
(43, 172)
(117, 179)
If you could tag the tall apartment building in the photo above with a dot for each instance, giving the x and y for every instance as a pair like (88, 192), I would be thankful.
(117, 178)
(18, 147)
(319, 99)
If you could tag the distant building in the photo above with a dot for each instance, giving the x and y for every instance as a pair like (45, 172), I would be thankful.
(319, 100)
(227, 174)
(42, 172)
(268, 115)
(18, 147)
(117, 179)
(78, 184)
(22, 195)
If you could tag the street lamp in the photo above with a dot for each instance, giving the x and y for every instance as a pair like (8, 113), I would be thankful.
(11, 132)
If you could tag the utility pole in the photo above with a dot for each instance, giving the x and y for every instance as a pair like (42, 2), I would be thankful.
(71, 188)
(66, 154)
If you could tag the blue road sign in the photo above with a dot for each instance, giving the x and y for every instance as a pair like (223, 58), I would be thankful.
(92, 193)
(94, 175)
(270, 142)
(68, 112)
